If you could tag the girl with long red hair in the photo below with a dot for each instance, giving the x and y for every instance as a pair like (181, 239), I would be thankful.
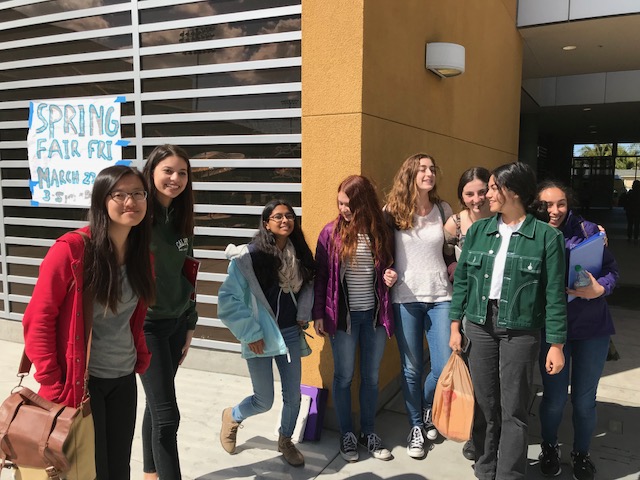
(352, 305)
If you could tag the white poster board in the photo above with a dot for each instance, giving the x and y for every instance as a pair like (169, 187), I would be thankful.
(71, 140)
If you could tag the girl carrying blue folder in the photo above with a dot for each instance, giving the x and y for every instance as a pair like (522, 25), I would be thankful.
(589, 329)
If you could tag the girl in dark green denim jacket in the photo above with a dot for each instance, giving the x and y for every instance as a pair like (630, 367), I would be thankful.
(509, 283)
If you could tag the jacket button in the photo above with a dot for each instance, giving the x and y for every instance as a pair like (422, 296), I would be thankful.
(77, 337)
(77, 359)
(78, 289)
(486, 275)
(75, 266)
(77, 314)
(490, 252)
(77, 382)
(484, 298)
(497, 235)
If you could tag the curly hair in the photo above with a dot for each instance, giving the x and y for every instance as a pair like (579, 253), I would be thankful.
(403, 197)
(366, 218)
(268, 261)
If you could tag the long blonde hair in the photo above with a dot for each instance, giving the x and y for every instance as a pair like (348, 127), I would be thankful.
(402, 200)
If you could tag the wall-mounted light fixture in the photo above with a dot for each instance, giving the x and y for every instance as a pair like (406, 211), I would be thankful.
(445, 59)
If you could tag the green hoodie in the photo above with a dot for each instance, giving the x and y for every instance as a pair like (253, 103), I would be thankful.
(173, 290)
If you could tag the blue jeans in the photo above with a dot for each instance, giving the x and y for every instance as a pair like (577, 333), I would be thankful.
(372, 341)
(584, 362)
(412, 319)
(261, 371)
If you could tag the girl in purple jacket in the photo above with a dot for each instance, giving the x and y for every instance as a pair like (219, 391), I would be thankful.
(589, 329)
(352, 306)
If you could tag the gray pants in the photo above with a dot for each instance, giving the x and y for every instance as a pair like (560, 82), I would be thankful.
(501, 362)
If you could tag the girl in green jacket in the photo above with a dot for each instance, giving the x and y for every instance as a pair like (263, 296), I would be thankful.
(508, 284)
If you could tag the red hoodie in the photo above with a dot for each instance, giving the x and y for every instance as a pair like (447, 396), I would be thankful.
(53, 323)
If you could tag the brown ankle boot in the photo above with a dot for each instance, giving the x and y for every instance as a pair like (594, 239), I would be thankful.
(228, 431)
(291, 454)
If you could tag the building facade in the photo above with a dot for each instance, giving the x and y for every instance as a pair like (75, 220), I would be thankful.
(276, 98)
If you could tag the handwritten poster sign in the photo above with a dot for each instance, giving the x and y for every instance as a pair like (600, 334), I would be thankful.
(69, 142)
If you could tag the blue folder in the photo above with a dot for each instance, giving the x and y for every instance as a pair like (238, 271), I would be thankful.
(587, 254)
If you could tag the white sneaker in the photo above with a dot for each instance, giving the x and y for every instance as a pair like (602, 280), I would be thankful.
(415, 440)
(349, 447)
(373, 443)
(429, 429)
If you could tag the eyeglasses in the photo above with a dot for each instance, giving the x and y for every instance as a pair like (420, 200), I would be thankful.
(278, 217)
(121, 197)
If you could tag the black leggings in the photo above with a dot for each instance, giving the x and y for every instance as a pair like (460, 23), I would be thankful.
(113, 405)
(165, 339)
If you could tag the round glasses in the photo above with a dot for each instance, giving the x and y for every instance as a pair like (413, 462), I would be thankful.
(121, 197)
(278, 217)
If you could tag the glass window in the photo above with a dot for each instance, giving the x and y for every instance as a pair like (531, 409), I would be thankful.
(74, 47)
(123, 87)
(271, 150)
(67, 69)
(208, 8)
(84, 24)
(245, 198)
(246, 53)
(229, 127)
(269, 101)
(593, 150)
(218, 31)
(226, 79)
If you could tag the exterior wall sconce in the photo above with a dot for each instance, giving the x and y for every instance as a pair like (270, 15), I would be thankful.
(445, 59)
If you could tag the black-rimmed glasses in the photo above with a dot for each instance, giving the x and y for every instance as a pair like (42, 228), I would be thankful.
(278, 217)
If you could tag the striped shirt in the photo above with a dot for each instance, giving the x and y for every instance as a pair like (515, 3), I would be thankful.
(359, 276)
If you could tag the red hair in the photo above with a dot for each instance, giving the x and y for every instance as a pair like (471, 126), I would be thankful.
(366, 218)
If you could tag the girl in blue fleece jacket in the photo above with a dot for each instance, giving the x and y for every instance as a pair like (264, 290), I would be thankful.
(266, 301)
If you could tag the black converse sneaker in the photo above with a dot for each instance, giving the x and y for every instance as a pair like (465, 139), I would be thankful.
(583, 467)
(349, 447)
(373, 443)
(549, 460)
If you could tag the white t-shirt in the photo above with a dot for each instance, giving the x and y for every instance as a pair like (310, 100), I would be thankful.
(422, 273)
(497, 275)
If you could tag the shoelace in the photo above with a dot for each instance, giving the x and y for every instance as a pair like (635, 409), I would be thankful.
(415, 439)
(374, 442)
(349, 442)
(550, 454)
(426, 418)
(584, 462)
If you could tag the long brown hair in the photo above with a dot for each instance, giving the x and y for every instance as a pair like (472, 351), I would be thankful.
(101, 269)
(366, 218)
(403, 197)
(183, 203)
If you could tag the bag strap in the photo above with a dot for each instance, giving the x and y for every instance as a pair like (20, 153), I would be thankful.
(439, 205)
(87, 311)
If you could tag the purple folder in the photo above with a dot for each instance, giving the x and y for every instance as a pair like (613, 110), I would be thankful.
(316, 411)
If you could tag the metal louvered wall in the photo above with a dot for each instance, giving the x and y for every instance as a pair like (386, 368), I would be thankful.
(219, 78)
